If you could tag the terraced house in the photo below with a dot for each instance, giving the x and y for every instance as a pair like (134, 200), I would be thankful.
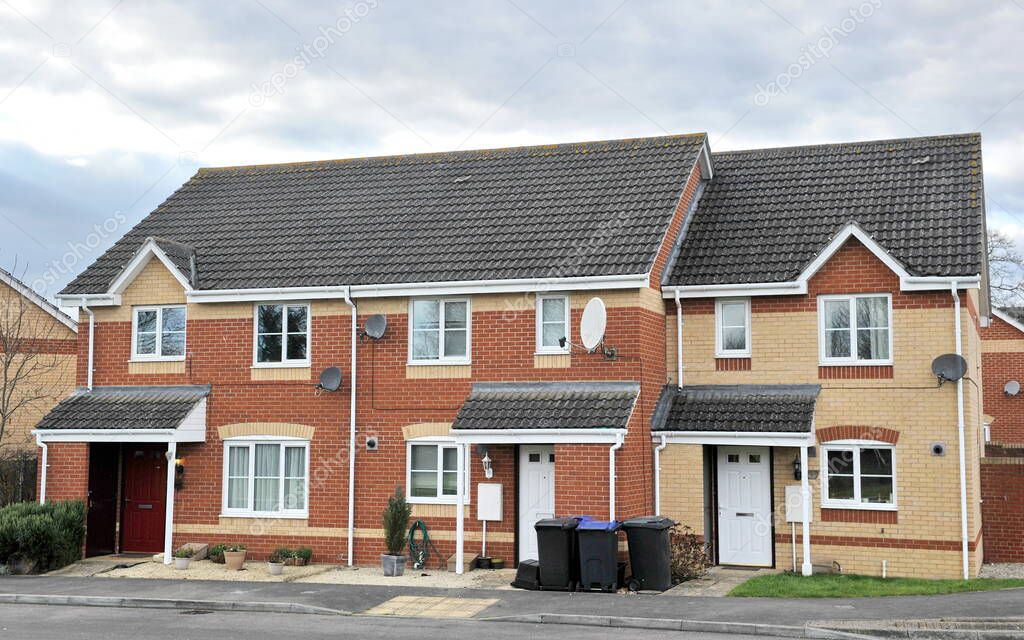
(770, 321)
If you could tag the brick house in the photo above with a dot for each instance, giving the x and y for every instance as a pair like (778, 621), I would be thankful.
(199, 414)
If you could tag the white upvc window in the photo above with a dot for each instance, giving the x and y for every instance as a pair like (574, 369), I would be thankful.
(858, 475)
(431, 471)
(158, 333)
(552, 323)
(266, 477)
(855, 329)
(281, 335)
(439, 331)
(732, 328)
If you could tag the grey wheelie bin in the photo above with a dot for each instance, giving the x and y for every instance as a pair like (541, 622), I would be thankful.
(556, 551)
(650, 552)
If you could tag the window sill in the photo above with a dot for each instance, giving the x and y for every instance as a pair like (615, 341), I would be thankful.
(282, 365)
(439, 363)
(858, 507)
(266, 516)
(855, 363)
(559, 352)
(435, 501)
(145, 360)
(733, 354)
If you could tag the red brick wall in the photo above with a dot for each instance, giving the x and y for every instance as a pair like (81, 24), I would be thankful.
(1002, 511)
(67, 476)
(668, 243)
(997, 369)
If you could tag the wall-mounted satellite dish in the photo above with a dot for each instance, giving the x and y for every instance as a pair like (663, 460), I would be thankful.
(376, 325)
(949, 367)
(593, 324)
(330, 379)
(1011, 388)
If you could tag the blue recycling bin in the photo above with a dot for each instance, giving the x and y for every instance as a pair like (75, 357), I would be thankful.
(599, 555)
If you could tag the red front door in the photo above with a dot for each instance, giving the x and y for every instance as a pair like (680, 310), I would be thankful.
(145, 495)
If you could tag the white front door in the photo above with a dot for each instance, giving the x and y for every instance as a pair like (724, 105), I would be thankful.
(536, 494)
(744, 506)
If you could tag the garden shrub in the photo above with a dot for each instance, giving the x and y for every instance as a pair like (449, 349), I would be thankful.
(49, 535)
(689, 554)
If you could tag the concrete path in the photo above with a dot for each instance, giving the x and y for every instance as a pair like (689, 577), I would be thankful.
(717, 583)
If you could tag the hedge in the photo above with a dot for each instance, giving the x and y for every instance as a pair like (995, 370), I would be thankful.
(49, 535)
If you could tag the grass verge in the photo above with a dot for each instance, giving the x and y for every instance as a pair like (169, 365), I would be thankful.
(788, 585)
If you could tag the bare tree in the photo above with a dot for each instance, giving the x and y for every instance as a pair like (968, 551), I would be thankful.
(1006, 271)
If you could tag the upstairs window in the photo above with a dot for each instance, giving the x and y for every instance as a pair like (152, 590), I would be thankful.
(859, 476)
(281, 335)
(855, 329)
(732, 328)
(439, 331)
(552, 324)
(158, 333)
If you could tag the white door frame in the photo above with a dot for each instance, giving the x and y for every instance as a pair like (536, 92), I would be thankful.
(745, 531)
(526, 536)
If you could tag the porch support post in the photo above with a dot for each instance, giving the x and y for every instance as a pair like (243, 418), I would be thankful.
(42, 470)
(172, 455)
(805, 491)
(460, 508)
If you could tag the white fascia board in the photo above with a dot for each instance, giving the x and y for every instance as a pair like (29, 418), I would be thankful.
(525, 285)
(707, 169)
(90, 300)
(853, 230)
(29, 294)
(939, 283)
(736, 438)
(108, 435)
(1008, 319)
(743, 290)
(538, 436)
(138, 263)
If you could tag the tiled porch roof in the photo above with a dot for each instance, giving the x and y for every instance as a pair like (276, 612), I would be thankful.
(737, 408)
(548, 405)
(121, 408)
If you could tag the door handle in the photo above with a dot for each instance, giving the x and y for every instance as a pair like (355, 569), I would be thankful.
(744, 515)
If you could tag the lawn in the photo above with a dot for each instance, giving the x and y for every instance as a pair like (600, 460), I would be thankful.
(788, 585)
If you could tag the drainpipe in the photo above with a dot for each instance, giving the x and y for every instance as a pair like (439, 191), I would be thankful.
(679, 341)
(92, 330)
(960, 434)
(44, 465)
(657, 474)
(611, 475)
(352, 433)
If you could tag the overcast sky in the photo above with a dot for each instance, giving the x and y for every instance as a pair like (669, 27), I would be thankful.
(107, 107)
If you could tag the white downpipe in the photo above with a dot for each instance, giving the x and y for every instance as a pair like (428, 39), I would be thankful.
(657, 474)
(460, 511)
(960, 435)
(172, 455)
(805, 492)
(42, 471)
(352, 434)
(611, 475)
(92, 332)
(679, 341)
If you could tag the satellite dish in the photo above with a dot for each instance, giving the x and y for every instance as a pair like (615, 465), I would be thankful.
(376, 325)
(949, 367)
(1011, 388)
(330, 379)
(593, 323)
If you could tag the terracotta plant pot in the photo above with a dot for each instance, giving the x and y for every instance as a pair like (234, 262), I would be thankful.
(182, 563)
(234, 560)
(392, 565)
(275, 568)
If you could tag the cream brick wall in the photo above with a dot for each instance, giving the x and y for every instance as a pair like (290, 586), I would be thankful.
(682, 485)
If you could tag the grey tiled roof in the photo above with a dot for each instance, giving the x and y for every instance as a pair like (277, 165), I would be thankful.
(768, 212)
(118, 408)
(183, 257)
(736, 408)
(586, 209)
(548, 405)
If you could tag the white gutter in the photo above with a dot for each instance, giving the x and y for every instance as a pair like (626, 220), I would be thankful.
(960, 435)
(352, 433)
(611, 475)
(679, 341)
(657, 474)
(43, 465)
(92, 332)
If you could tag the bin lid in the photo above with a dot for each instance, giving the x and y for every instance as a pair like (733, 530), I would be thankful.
(599, 525)
(557, 523)
(649, 522)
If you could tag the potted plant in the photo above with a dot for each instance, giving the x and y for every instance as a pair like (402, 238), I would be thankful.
(301, 556)
(275, 563)
(396, 519)
(182, 558)
(234, 556)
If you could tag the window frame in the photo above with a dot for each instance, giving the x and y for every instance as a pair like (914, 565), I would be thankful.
(156, 356)
(250, 442)
(852, 359)
(441, 444)
(856, 446)
(441, 359)
(541, 348)
(284, 363)
(720, 351)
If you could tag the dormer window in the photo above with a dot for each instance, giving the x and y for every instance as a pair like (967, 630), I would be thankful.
(158, 333)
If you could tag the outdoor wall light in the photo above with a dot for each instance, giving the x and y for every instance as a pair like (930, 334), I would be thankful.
(488, 469)
(797, 470)
(179, 473)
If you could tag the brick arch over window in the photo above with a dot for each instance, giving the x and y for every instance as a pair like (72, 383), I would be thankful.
(858, 432)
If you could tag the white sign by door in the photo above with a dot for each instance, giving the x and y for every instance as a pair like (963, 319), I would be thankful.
(536, 494)
(744, 506)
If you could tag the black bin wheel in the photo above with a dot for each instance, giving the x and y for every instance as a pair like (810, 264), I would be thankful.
(634, 584)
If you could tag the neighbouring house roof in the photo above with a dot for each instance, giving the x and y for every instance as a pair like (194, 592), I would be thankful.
(548, 405)
(567, 210)
(119, 408)
(26, 291)
(753, 408)
(768, 213)
(1017, 313)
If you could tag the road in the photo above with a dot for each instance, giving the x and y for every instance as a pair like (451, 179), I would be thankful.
(31, 622)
